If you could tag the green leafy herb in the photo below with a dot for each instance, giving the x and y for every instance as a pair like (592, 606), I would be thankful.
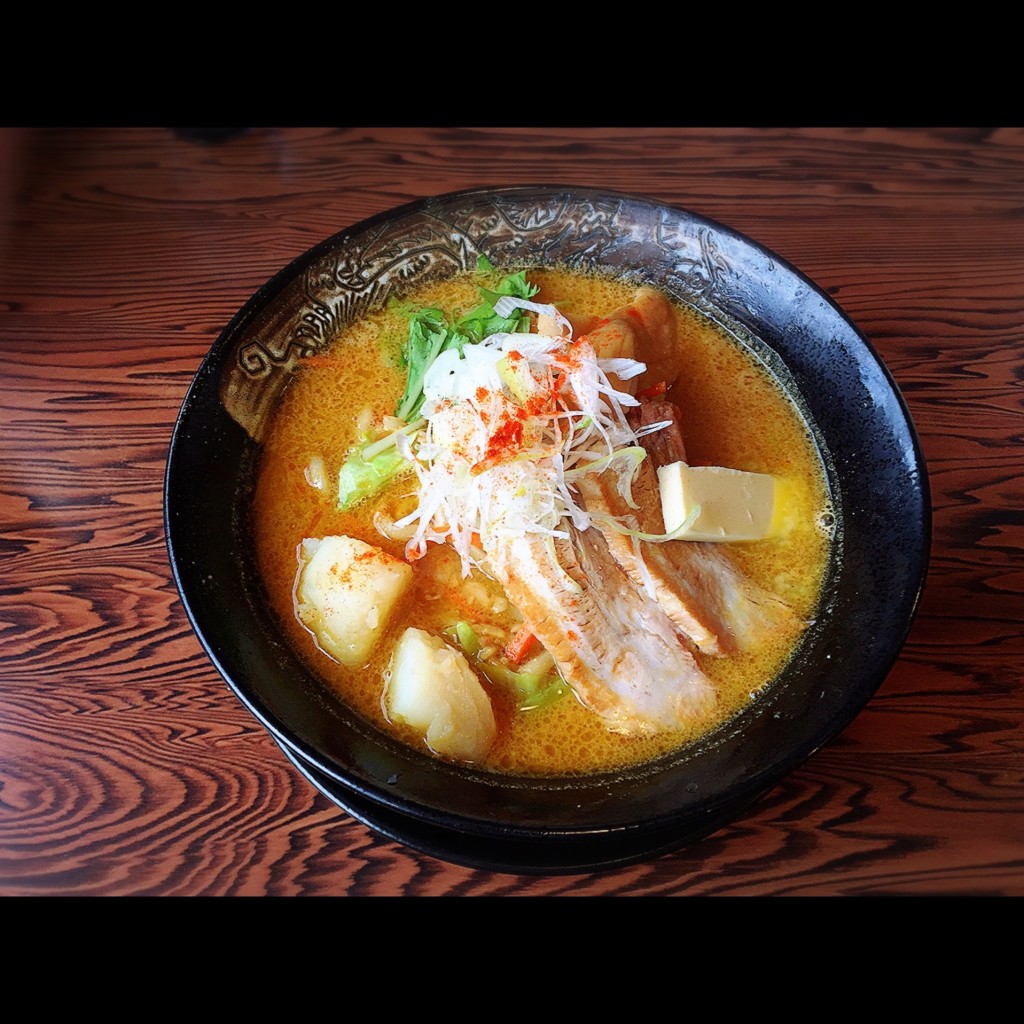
(429, 336)
(431, 333)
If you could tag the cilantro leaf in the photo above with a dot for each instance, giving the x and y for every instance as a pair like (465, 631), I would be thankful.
(430, 333)
(429, 336)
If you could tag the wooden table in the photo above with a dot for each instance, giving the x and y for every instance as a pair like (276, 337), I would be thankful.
(127, 766)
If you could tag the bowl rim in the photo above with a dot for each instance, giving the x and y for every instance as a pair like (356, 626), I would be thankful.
(745, 790)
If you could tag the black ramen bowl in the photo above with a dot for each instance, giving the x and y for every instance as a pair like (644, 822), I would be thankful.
(875, 471)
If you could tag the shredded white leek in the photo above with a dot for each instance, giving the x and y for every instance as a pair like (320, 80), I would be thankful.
(650, 538)
(507, 303)
(391, 439)
(507, 428)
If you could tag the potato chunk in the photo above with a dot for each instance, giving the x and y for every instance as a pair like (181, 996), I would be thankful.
(346, 593)
(433, 689)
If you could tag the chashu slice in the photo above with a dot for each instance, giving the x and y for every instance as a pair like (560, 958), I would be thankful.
(644, 329)
(612, 643)
(698, 585)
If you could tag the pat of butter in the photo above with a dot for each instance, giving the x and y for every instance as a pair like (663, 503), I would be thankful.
(734, 505)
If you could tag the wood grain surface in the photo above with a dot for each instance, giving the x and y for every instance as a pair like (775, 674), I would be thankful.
(127, 767)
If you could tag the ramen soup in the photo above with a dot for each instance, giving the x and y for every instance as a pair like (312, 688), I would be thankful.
(573, 534)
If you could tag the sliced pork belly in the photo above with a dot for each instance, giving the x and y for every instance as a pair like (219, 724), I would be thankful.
(663, 446)
(643, 329)
(697, 584)
(612, 643)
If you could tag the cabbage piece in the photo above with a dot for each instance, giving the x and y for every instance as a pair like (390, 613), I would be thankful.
(535, 689)
(361, 478)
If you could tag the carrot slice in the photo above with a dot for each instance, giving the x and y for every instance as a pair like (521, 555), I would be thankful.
(654, 391)
(523, 646)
